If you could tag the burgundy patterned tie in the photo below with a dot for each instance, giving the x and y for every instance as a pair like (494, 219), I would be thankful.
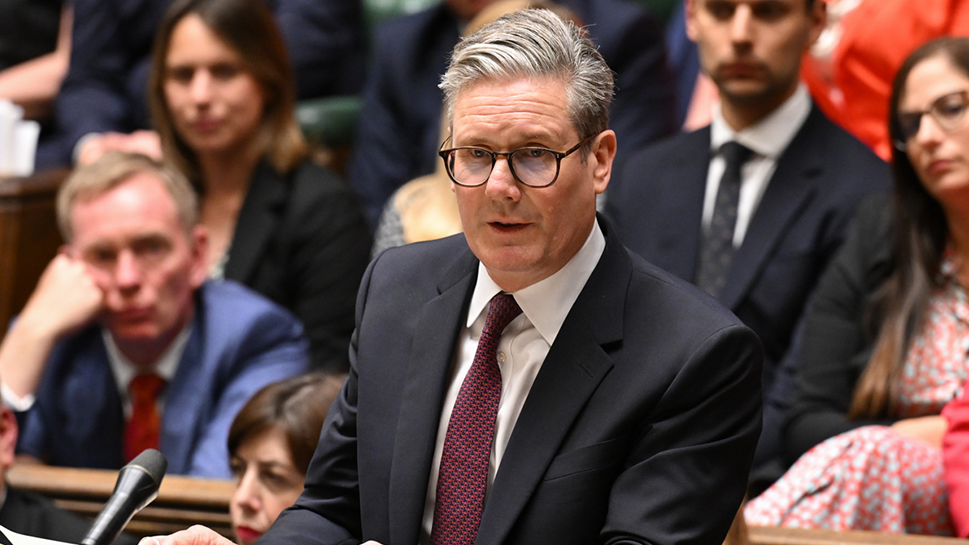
(467, 446)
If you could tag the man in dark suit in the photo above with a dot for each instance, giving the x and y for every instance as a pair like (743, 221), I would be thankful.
(399, 131)
(530, 381)
(755, 233)
(123, 346)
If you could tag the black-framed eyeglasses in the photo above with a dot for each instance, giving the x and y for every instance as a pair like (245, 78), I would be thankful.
(471, 166)
(948, 111)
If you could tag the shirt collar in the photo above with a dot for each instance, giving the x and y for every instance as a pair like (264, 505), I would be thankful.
(124, 369)
(770, 136)
(546, 304)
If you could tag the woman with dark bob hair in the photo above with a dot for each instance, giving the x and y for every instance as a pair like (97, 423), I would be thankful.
(222, 98)
(885, 339)
(271, 443)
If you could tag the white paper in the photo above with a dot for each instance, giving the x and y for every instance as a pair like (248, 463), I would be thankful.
(20, 539)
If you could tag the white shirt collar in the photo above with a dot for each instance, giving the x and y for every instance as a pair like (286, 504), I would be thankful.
(124, 369)
(770, 136)
(546, 304)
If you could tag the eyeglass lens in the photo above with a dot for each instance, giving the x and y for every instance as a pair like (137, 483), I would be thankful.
(532, 166)
(948, 111)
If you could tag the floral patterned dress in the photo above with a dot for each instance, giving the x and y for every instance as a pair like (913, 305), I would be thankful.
(872, 478)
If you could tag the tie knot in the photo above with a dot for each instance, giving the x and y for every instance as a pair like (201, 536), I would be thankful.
(502, 311)
(735, 154)
(146, 386)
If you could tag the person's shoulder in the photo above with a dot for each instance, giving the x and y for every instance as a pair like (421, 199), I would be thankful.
(30, 513)
(664, 297)
(841, 148)
(674, 146)
(222, 300)
(421, 261)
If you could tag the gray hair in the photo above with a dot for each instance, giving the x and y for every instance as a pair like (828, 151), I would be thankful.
(535, 43)
(112, 170)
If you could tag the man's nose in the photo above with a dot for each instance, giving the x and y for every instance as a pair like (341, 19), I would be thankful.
(501, 183)
(740, 24)
(127, 274)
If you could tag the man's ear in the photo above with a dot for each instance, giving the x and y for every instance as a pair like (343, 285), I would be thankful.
(199, 241)
(819, 20)
(603, 153)
(689, 16)
(8, 438)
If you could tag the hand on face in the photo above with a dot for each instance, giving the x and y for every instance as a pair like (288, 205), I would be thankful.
(66, 299)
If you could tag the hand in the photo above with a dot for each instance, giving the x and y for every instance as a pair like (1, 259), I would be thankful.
(143, 142)
(65, 300)
(926, 428)
(196, 535)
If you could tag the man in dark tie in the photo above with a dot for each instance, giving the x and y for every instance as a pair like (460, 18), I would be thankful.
(124, 346)
(530, 381)
(752, 207)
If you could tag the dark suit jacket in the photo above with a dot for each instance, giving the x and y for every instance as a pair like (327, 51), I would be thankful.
(657, 207)
(839, 331)
(105, 88)
(301, 241)
(240, 343)
(399, 132)
(34, 515)
(639, 427)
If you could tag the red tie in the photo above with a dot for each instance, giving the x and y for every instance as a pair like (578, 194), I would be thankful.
(463, 474)
(145, 424)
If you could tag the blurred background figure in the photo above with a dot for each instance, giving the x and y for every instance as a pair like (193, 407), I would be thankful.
(271, 443)
(884, 339)
(222, 96)
(850, 69)
(103, 92)
(35, 48)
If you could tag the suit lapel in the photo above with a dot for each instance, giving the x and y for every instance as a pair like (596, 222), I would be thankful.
(429, 372)
(184, 397)
(680, 202)
(257, 221)
(790, 190)
(572, 370)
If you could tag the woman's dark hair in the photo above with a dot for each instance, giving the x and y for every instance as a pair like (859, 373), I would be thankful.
(247, 26)
(920, 238)
(296, 406)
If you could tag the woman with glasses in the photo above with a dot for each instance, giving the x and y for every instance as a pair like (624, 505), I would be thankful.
(884, 344)
(222, 95)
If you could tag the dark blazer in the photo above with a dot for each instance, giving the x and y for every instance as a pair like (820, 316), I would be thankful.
(646, 408)
(240, 342)
(657, 207)
(34, 515)
(105, 88)
(838, 332)
(301, 241)
(399, 132)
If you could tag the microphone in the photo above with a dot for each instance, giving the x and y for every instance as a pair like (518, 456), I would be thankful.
(137, 486)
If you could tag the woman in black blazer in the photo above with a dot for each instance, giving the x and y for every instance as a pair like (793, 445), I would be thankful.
(222, 96)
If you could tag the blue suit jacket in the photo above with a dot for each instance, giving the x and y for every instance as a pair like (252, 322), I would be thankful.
(646, 407)
(106, 84)
(240, 342)
(822, 176)
(399, 131)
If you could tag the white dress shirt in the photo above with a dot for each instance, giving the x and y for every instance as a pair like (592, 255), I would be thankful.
(768, 138)
(124, 369)
(521, 350)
